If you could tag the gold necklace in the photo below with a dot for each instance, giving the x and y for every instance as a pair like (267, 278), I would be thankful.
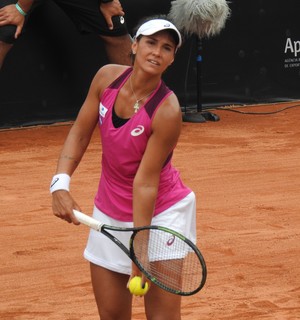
(136, 106)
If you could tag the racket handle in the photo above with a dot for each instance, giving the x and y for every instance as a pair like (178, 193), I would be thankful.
(87, 220)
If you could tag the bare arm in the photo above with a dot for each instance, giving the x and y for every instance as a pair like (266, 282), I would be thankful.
(166, 131)
(78, 140)
(74, 148)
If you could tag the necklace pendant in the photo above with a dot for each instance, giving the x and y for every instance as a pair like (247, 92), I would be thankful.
(136, 107)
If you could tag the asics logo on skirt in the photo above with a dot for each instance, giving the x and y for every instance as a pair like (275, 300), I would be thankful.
(171, 241)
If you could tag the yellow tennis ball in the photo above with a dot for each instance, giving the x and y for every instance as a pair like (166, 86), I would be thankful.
(135, 286)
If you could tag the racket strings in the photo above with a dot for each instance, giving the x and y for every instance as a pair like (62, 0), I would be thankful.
(168, 260)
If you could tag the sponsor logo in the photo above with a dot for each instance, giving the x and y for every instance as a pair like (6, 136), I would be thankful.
(292, 47)
(53, 183)
(171, 241)
(137, 131)
(102, 110)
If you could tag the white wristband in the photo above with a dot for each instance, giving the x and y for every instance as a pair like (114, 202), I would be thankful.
(60, 181)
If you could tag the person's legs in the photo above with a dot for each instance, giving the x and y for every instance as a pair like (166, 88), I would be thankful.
(161, 305)
(7, 33)
(4, 49)
(111, 294)
(118, 49)
(88, 19)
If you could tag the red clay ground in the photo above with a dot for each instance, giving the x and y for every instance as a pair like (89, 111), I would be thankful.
(245, 170)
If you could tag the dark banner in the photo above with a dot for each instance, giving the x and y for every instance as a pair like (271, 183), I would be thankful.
(257, 56)
(255, 59)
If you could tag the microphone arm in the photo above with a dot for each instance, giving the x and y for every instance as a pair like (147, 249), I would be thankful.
(203, 18)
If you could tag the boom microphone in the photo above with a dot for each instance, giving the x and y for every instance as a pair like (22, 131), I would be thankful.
(204, 18)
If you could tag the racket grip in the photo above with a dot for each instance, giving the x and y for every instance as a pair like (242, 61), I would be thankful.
(87, 220)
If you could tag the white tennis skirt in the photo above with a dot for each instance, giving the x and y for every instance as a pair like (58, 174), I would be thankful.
(101, 251)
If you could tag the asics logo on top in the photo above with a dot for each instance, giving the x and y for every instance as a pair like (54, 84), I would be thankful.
(137, 131)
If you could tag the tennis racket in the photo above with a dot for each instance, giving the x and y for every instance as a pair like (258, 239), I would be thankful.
(164, 256)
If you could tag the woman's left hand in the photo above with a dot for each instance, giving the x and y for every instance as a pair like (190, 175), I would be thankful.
(135, 271)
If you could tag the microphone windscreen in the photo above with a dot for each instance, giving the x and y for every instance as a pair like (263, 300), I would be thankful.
(204, 18)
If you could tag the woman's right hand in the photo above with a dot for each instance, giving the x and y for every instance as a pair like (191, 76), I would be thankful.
(63, 205)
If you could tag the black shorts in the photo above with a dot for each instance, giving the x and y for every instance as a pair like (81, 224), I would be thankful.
(85, 14)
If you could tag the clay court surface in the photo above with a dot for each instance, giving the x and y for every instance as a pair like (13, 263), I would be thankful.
(245, 171)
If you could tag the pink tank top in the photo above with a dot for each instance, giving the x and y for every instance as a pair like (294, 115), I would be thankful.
(122, 151)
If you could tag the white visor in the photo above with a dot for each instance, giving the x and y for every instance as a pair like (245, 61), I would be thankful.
(156, 25)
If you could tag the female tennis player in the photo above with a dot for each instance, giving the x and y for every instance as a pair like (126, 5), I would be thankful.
(139, 120)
